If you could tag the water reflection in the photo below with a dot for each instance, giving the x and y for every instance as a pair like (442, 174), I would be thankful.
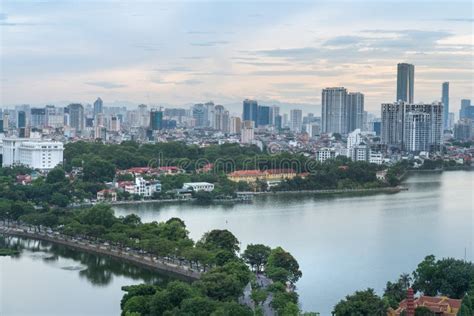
(96, 269)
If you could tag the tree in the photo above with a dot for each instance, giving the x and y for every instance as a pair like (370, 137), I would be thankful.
(220, 286)
(397, 291)
(56, 175)
(98, 170)
(361, 303)
(198, 306)
(98, 215)
(220, 239)
(281, 259)
(256, 256)
(232, 309)
(447, 276)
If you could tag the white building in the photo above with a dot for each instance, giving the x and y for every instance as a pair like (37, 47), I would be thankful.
(247, 133)
(36, 154)
(324, 154)
(199, 186)
(144, 187)
(296, 120)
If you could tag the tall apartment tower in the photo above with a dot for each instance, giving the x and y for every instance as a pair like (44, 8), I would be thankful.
(76, 116)
(250, 111)
(412, 127)
(445, 101)
(334, 110)
(355, 111)
(296, 120)
(405, 82)
(98, 106)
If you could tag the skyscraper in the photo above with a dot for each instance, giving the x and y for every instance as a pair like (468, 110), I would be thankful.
(405, 82)
(334, 110)
(98, 106)
(250, 111)
(445, 101)
(38, 117)
(76, 116)
(200, 115)
(355, 111)
(235, 125)
(21, 122)
(156, 120)
(296, 120)
(412, 127)
(467, 110)
(263, 115)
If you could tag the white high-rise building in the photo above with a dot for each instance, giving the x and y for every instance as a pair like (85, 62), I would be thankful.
(247, 133)
(412, 127)
(334, 110)
(36, 154)
(296, 120)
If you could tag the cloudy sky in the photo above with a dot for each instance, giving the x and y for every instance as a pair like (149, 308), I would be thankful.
(185, 52)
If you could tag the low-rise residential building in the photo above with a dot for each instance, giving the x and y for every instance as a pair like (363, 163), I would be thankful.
(199, 186)
(270, 175)
(140, 186)
(107, 195)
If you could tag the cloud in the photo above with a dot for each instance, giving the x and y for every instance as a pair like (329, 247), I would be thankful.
(344, 40)
(3, 16)
(201, 32)
(469, 20)
(106, 84)
(210, 43)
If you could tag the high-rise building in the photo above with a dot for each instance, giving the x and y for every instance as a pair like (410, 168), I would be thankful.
(355, 111)
(98, 106)
(274, 112)
(405, 82)
(219, 118)
(76, 116)
(412, 127)
(334, 110)
(445, 101)
(200, 115)
(156, 120)
(278, 122)
(235, 125)
(250, 111)
(21, 122)
(263, 115)
(464, 129)
(210, 114)
(467, 110)
(38, 117)
(296, 120)
(247, 133)
(450, 120)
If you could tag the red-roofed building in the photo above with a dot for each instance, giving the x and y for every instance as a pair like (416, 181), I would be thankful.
(439, 305)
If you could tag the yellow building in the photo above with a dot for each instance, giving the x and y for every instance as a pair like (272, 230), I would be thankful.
(251, 176)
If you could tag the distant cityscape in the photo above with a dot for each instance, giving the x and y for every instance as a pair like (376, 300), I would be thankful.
(34, 136)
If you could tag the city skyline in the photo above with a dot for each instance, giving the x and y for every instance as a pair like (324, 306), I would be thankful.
(230, 51)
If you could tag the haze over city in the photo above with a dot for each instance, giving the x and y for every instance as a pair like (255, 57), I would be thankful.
(128, 52)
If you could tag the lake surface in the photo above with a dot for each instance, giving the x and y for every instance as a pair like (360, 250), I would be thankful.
(342, 244)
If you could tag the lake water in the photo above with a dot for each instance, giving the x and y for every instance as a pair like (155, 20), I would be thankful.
(342, 244)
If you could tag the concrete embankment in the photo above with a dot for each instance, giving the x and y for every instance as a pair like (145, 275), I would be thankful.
(147, 261)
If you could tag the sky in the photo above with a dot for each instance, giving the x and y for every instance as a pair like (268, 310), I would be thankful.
(179, 53)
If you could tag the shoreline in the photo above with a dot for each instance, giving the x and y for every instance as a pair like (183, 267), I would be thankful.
(143, 261)
(388, 189)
